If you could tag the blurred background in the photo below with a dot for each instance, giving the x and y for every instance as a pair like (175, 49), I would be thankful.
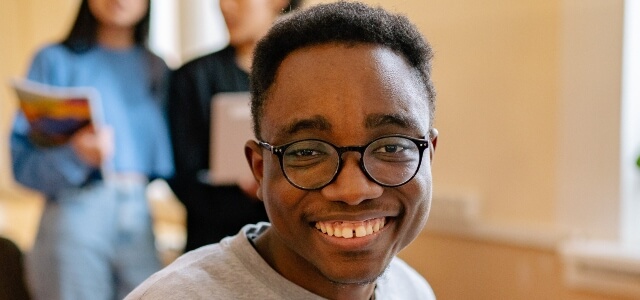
(536, 187)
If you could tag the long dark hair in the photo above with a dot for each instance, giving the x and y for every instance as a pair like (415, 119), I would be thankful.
(83, 34)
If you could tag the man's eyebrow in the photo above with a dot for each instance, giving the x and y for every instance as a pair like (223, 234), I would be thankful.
(316, 122)
(378, 120)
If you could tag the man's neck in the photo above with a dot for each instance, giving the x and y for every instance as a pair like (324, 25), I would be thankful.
(289, 266)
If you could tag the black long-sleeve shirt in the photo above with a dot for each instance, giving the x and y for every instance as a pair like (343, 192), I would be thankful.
(213, 212)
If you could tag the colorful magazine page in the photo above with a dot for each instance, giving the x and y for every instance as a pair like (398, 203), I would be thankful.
(56, 113)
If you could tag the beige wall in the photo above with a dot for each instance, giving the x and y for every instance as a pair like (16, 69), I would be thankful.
(510, 114)
(24, 27)
(588, 189)
(528, 108)
(496, 74)
(466, 268)
(496, 71)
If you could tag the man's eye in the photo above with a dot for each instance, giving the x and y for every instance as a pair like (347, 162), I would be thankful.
(305, 152)
(390, 149)
(304, 158)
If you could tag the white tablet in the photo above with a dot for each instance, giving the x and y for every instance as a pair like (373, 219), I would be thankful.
(231, 128)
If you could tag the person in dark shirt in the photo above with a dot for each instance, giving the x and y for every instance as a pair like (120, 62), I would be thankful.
(214, 212)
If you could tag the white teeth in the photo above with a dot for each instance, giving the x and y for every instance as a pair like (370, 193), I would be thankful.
(348, 230)
(361, 231)
(337, 230)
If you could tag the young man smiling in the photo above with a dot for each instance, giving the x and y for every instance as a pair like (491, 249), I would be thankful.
(343, 108)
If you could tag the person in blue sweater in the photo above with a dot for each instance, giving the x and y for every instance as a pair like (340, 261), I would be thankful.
(95, 239)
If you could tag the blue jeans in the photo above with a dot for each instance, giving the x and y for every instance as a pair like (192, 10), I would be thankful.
(93, 243)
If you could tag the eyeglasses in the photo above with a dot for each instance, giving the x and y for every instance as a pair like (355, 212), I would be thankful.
(312, 164)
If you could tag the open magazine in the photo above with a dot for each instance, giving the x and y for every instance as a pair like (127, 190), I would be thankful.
(55, 113)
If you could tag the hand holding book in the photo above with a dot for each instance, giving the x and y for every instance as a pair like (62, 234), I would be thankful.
(56, 113)
(66, 115)
(93, 146)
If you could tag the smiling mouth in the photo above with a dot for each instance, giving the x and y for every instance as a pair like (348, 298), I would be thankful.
(348, 229)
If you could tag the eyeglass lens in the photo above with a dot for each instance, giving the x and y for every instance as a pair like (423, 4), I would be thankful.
(389, 161)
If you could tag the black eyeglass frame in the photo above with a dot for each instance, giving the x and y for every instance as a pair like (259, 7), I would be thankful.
(279, 151)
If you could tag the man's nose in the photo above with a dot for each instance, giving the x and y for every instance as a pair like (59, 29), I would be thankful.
(351, 184)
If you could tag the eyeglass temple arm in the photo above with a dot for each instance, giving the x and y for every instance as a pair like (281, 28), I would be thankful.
(267, 146)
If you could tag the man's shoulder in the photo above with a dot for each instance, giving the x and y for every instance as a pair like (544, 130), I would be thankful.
(185, 275)
(217, 271)
(402, 280)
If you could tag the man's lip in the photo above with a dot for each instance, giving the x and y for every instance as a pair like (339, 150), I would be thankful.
(355, 243)
(344, 217)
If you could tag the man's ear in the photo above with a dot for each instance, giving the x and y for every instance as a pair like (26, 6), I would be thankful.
(433, 135)
(253, 153)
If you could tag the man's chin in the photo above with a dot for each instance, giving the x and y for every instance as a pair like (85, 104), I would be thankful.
(365, 278)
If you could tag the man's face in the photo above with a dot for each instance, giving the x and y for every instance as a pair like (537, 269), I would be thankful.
(345, 95)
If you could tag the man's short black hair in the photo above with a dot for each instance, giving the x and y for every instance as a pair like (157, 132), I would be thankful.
(340, 22)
